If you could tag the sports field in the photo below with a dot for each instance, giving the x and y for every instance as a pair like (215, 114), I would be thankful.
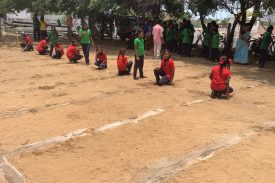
(63, 122)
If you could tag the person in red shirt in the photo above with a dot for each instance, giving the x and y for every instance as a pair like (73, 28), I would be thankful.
(220, 77)
(73, 54)
(100, 58)
(166, 70)
(59, 51)
(124, 67)
(42, 47)
(27, 44)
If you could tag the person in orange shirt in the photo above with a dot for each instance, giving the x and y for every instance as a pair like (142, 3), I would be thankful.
(73, 54)
(100, 58)
(27, 44)
(124, 67)
(42, 47)
(59, 51)
(166, 70)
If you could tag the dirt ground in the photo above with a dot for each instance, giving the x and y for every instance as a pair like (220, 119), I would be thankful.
(134, 131)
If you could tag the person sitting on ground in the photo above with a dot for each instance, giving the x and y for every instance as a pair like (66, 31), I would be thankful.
(73, 54)
(59, 51)
(220, 77)
(124, 67)
(166, 70)
(42, 47)
(100, 58)
(27, 44)
(267, 39)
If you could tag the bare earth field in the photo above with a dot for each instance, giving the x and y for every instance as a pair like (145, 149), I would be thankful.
(61, 122)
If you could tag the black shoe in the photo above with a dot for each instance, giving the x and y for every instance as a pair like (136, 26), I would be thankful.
(213, 95)
(135, 78)
(142, 77)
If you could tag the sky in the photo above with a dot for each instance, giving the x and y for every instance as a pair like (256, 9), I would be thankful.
(221, 14)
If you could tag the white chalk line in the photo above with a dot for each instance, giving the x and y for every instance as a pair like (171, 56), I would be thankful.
(143, 116)
(170, 169)
(11, 174)
(82, 132)
(9, 114)
(128, 121)
(54, 140)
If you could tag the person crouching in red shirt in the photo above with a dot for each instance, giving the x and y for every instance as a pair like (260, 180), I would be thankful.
(100, 58)
(27, 44)
(73, 54)
(220, 77)
(166, 70)
(59, 51)
(42, 47)
(124, 67)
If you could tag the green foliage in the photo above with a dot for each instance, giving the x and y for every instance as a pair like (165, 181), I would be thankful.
(203, 7)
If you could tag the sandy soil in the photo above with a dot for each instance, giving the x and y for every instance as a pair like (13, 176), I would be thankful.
(43, 98)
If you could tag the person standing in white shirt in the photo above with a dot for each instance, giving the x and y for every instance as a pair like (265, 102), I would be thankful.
(158, 39)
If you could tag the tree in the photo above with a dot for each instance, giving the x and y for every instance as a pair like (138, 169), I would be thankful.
(238, 9)
(203, 8)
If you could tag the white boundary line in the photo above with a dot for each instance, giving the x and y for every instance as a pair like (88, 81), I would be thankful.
(54, 140)
(16, 175)
(82, 132)
(11, 174)
(128, 121)
(170, 169)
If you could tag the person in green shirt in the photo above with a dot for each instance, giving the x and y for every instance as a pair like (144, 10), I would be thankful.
(267, 39)
(36, 28)
(53, 37)
(86, 41)
(215, 45)
(139, 54)
(170, 36)
(186, 41)
(206, 38)
(180, 38)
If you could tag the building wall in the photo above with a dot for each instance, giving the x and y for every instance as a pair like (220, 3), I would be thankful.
(25, 16)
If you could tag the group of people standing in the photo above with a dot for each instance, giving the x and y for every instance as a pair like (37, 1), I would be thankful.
(178, 38)
(242, 46)
(39, 28)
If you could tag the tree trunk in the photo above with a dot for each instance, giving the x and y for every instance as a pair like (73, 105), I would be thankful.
(83, 22)
(90, 22)
(0, 28)
(243, 13)
(255, 12)
(157, 10)
(103, 29)
(69, 25)
(230, 38)
(111, 23)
